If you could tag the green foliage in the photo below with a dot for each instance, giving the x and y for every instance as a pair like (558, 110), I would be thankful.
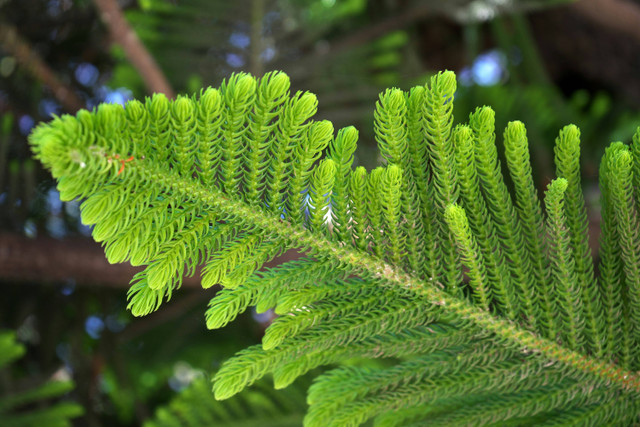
(27, 407)
(231, 178)
(257, 406)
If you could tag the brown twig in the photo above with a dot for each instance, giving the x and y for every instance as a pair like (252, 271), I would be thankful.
(49, 260)
(618, 15)
(173, 310)
(11, 42)
(359, 37)
(392, 23)
(122, 33)
(257, 15)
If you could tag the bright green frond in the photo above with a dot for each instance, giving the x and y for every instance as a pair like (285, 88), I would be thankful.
(390, 194)
(267, 288)
(620, 186)
(321, 190)
(459, 226)
(209, 124)
(612, 279)
(420, 177)
(502, 376)
(524, 406)
(529, 211)
(305, 155)
(272, 93)
(238, 94)
(358, 207)
(499, 279)
(567, 150)
(564, 276)
(183, 126)
(289, 132)
(238, 174)
(374, 212)
(417, 340)
(502, 212)
(341, 152)
(437, 111)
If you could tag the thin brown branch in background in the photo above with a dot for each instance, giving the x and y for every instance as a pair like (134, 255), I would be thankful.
(173, 310)
(122, 34)
(257, 16)
(360, 37)
(373, 31)
(12, 43)
(49, 260)
(617, 15)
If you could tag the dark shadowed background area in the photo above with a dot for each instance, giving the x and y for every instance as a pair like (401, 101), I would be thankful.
(545, 62)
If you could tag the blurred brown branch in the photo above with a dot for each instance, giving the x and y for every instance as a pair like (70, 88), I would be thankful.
(12, 43)
(122, 34)
(618, 15)
(48, 260)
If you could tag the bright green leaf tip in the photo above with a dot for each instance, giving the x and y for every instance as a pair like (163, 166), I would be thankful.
(516, 133)
(445, 82)
(454, 213)
(482, 117)
(557, 187)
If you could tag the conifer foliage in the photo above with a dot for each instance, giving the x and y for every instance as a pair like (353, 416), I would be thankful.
(259, 405)
(32, 406)
(485, 298)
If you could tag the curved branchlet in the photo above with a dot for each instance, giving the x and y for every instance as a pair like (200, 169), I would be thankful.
(159, 130)
(391, 191)
(256, 182)
(420, 170)
(341, 152)
(565, 277)
(321, 187)
(238, 97)
(620, 184)
(183, 130)
(567, 151)
(289, 132)
(635, 149)
(305, 155)
(392, 133)
(271, 94)
(374, 214)
(612, 280)
(499, 279)
(358, 207)
(459, 224)
(209, 135)
(530, 213)
(437, 112)
(501, 210)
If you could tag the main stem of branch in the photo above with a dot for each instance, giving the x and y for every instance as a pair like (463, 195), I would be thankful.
(505, 330)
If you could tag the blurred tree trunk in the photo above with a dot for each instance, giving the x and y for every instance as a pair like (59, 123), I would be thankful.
(122, 34)
(12, 43)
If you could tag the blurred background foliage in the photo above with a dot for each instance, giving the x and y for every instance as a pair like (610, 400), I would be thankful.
(545, 62)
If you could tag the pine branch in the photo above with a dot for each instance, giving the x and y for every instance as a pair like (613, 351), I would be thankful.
(155, 202)
(507, 332)
(567, 152)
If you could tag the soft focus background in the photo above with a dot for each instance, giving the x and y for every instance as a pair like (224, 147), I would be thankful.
(545, 62)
